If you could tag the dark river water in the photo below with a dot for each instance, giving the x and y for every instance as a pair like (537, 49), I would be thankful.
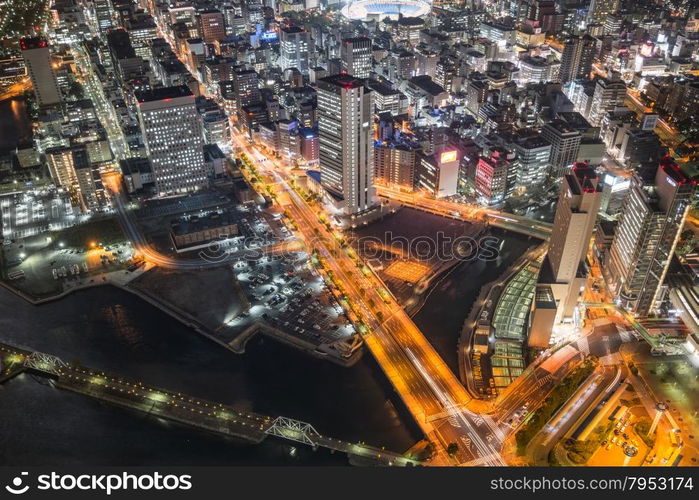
(15, 128)
(107, 328)
(445, 310)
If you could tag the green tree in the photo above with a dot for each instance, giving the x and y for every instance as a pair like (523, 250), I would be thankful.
(76, 90)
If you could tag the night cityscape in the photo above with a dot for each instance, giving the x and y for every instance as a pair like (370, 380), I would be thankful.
(374, 233)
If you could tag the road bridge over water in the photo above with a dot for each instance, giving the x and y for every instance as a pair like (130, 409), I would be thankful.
(463, 211)
(195, 412)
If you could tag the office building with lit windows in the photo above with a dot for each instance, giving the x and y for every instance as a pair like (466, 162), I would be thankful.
(651, 220)
(356, 56)
(610, 93)
(495, 176)
(213, 28)
(345, 125)
(172, 133)
(37, 59)
(295, 47)
(565, 144)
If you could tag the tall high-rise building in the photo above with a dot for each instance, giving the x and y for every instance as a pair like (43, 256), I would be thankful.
(578, 55)
(532, 155)
(92, 194)
(71, 169)
(600, 9)
(563, 272)
(609, 94)
(565, 144)
(172, 133)
(356, 56)
(395, 164)
(444, 74)
(495, 176)
(212, 25)
(103, 14)
(438, 173)
(345, 123)
(37, 59)
(651, 220)
(295, 47)
(245, 88)
(576, 214)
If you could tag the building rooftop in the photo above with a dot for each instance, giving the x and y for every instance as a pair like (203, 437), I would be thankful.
(356, 39)
(575, 120)
(381, 88)
(426, 83)
(562, 127)
(410, 21)
(213, 152)
(343, 80)
(583, 179)
(196, 223)
(673, 171)
(164, 93)
(293, 29)
(135, 165)
(36, 42)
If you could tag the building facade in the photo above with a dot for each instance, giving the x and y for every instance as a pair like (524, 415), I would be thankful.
(651, 220)
(37, 59)
(346, 146)
(173, 136)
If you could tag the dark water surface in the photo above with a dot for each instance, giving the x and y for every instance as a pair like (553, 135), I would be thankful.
(109, 329)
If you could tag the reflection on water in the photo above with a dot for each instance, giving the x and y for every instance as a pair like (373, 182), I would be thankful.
(15, 128)
(109, 329)
(446, 309)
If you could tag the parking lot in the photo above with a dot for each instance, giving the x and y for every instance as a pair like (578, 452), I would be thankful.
(40, 266)
(290, 297)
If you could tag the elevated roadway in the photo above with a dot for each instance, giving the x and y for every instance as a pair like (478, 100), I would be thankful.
(463, 211)
(429, 389)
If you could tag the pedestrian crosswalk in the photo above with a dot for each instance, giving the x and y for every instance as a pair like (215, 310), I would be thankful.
(544, 380)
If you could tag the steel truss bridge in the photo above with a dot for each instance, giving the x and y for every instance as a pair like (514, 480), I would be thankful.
(188, 410)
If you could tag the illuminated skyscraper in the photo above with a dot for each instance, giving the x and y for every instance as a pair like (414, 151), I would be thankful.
(212, 25)
(103, 13)
(345, 121)
(644, 242)
(37, 58)
(356, 56)
(609, 94)
(600, 9)
(578, 56)
(172, 133)
(563, 272)
(295, 46)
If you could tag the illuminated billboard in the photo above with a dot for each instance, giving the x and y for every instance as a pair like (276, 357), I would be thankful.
(447, 156)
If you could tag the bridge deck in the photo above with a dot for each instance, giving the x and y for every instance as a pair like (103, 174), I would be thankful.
(182, 408)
